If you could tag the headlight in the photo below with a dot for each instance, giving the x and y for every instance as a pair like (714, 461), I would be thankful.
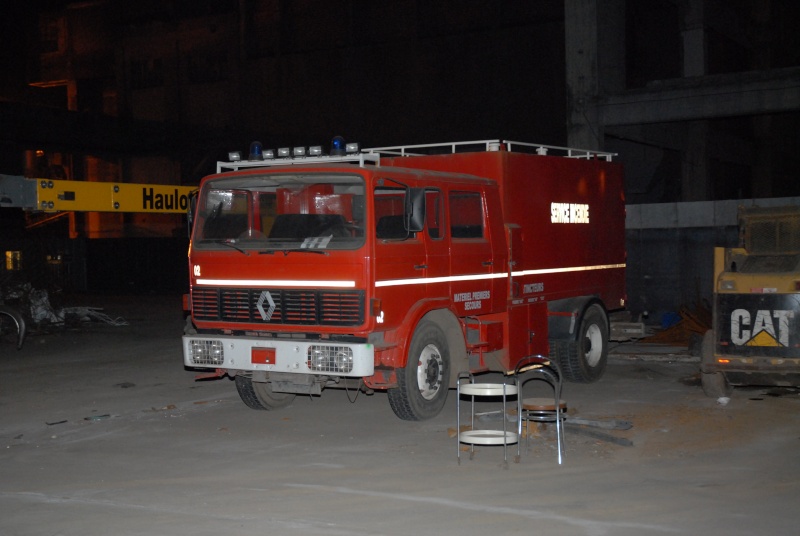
(727, 284)
(344, 359)
(330, 358)
(317, 358)
(207, 352)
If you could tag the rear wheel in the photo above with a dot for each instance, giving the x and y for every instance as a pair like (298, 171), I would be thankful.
(259, 395)
(587, 356)
(422, 384)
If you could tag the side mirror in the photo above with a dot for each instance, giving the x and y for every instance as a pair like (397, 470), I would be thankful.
(415, 210)
(190, 213)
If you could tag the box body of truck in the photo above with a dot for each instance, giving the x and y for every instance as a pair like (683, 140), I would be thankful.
(401, 271)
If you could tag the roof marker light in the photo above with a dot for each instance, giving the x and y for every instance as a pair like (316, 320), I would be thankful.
(299, 152)
(352, 148)
(284, 152)
(337, 146)
(269, 154)
(235, 156)
(315, 150)
(256, 151)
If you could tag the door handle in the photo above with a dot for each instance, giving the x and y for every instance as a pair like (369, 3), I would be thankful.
(487, 263)
(420, 266)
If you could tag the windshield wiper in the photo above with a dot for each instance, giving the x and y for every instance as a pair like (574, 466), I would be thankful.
(230, 242)
(286, 251)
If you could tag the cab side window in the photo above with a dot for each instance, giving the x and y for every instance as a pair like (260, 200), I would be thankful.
(390, 223)
(434, 212)
(466, 214)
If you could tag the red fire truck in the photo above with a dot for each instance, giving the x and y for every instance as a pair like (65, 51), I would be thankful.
(396, 268)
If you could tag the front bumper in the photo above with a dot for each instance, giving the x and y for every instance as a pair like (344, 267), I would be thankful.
(287, 356)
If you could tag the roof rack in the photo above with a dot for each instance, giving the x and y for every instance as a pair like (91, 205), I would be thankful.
(372, 156)
(361, 159)
(488, 145)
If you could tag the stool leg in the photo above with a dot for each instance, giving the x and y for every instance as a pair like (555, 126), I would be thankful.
(519, 420)
(472, 427)
(458, 422)
(556, 373)
(505, 426)
(553, 375)
(559, 425)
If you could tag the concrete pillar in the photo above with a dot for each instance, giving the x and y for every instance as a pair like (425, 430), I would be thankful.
(580, 35)
(695, 182)
(694, 164)
(594, 34)
(611, 47)
(764, 166)
(766, 148)
(693, 34)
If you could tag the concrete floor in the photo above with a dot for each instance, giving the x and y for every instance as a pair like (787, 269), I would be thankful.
(104, 432)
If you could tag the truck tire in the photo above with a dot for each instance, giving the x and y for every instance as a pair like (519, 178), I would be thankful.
(259, 395)
(585, 358)
(422, 384)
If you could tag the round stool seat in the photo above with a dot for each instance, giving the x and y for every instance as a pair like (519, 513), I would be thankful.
(542, 404)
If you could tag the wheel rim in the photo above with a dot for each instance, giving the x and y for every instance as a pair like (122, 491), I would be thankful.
(429, 372)
(594, 345)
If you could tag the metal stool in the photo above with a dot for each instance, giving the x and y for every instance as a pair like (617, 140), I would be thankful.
(542, 409)
(474, 437)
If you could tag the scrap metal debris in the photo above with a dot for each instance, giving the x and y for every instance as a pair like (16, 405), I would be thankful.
(41, 312)
(692, 322)
(87, 314)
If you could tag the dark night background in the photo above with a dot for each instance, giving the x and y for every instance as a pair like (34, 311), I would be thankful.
(158, 91)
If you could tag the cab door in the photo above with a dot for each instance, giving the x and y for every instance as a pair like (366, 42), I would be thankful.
(400, 261)
(437, 245)
(472, 260)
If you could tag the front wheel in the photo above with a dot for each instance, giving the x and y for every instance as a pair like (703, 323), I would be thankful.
(587, 356)
(422, 384)
(259, 395)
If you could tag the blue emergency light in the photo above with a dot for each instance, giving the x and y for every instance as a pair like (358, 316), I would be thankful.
(256, 151)
(338, 146)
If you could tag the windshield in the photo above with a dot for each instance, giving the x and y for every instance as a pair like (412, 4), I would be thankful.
(281, 212)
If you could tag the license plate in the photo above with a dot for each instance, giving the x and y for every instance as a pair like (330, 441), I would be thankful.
(262, 356)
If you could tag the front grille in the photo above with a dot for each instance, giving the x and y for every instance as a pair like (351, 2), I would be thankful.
(272, 306)
(771, 231)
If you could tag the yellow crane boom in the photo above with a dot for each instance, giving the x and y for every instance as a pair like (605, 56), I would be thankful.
(48, 195)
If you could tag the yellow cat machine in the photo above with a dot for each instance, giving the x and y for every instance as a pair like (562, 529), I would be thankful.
(756, 335)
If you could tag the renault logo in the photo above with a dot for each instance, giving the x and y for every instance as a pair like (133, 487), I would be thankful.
(265, 297)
